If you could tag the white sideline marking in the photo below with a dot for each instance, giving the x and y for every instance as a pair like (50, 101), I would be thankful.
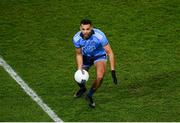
(29, 91)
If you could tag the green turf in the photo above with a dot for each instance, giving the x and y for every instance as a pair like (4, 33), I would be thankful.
(36, 40)
(15, 105)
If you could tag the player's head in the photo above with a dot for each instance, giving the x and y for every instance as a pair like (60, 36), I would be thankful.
(86, 27)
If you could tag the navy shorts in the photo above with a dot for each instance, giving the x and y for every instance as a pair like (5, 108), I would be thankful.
(89, 61)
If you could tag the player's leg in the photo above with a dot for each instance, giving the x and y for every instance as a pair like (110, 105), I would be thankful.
(100, 72)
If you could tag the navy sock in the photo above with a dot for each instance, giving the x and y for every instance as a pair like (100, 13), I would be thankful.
(91, 92)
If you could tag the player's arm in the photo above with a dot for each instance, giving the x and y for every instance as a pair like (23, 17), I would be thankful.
(112, 61)
(111, 56)
(79, 59)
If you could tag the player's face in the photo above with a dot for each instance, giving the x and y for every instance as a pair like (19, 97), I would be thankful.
(86, 30)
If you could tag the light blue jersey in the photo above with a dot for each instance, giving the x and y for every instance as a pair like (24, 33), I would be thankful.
(93, 46)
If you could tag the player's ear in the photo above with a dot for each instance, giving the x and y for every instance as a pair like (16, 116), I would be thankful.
(91, 26)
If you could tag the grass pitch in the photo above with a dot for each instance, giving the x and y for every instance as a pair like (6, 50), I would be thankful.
(36, 40)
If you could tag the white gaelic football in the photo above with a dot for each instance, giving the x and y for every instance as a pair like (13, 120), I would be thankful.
(81, 76)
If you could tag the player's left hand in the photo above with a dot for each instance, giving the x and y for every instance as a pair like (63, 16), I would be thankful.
(113, 73)
(82, 70)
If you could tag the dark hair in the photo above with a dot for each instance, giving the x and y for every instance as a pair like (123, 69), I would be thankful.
(85, 22)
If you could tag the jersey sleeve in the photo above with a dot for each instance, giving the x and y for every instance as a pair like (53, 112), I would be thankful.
(104, 40)
(76, 41)
(101, 36)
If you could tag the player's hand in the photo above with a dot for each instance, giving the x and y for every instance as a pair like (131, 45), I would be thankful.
(82, 70)
(83, 81)
(113, 73)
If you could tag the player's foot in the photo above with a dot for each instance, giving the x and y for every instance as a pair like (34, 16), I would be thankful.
(80, 92)
(91, 103)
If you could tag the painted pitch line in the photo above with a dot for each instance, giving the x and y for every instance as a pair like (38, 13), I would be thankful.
(29, 91)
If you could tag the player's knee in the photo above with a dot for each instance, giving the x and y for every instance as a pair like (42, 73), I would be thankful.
(99, 78)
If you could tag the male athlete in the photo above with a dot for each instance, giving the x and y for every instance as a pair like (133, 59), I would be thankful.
(92, 47)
